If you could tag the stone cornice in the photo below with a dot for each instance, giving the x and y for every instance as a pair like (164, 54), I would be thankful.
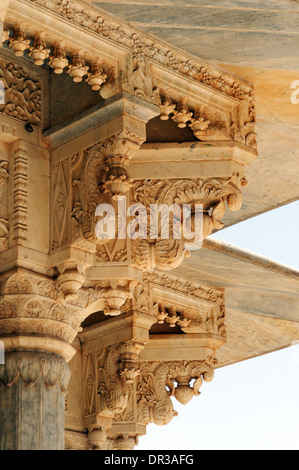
(114, 57)
(95, 20)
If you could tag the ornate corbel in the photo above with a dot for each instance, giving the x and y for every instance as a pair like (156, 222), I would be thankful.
(39, 51)
(119, 369)
(213, 195)
(19, 43)
(117, 151)
(159, 382)
(182, 115)
(77, 69)
(58, 60)
(96, 76)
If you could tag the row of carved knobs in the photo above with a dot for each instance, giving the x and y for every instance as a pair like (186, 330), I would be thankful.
(180, 113)
(95, 75)
(57, 60)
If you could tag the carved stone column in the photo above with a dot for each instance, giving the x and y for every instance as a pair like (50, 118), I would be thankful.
(37, 333)
(32, 401)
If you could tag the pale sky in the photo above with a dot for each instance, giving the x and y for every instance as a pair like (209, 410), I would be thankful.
(253, 405)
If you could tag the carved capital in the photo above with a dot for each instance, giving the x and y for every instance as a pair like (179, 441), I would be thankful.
(31, 312)
(32, 367)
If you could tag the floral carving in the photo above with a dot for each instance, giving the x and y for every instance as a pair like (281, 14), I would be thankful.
(140, 84)
(8, 309)
(112, 388)
(18, 284)
(215, 195)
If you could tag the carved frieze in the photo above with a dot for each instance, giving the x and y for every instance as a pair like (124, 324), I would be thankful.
(152, 71)
(23, 92)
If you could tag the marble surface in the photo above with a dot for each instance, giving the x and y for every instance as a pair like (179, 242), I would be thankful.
(241, 32)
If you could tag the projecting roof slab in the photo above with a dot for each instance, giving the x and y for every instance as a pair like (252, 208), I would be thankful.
(261, 296)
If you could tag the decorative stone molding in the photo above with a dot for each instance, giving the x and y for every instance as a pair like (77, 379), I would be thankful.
(39, 51)
(125, 385)
(117, 152)
(195, 308)
(20, 196)
(29, 306)
(58, 61)
(18, 42)
(144, 46)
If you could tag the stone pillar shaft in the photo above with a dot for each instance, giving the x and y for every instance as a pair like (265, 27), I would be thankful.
(32, 401)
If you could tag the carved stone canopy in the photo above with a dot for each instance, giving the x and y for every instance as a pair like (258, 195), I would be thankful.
(131, 123)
